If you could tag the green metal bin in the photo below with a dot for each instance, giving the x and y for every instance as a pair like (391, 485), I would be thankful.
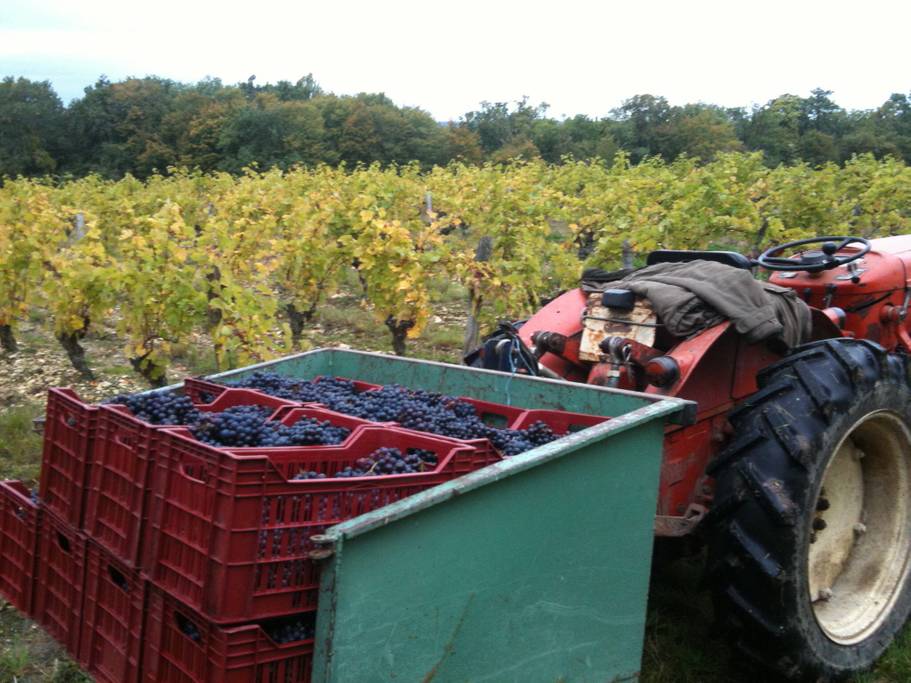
(532, 569)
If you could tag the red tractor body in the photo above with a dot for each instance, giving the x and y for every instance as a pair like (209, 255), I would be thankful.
(866, 299)
(801, 444)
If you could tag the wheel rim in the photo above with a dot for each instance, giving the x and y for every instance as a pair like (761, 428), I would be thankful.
(860, 543)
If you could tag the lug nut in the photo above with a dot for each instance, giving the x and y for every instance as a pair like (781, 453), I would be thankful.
(822, 504)
(819, 524)
(824, 595)
(860, 529)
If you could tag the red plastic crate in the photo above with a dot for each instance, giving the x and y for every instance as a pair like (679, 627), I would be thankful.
(181, 646)
(69, 432)
(231, 397)
(202, 391)
(112, 613)
(560, 421)
(125, 448)
(495, 414)
(59, 573)
(358, 384)
(18, 536)
(510, 417)
(318, 412)
(230, 534)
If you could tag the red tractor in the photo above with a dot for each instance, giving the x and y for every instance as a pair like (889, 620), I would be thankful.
(796, 472)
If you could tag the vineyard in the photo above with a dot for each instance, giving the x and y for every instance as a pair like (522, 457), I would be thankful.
(248, 260)
(250, 265)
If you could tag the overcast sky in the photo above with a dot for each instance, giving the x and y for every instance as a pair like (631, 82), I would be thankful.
(447, 57)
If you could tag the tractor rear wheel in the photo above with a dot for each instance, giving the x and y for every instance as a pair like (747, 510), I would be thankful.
(810, 533)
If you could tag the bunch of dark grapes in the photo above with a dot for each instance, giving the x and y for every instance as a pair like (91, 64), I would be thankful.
(515, 441)
(289, 630)
(415, 409)
(439, 414)
(383, 461)
(159, 408)
(237, 426)
(309, 474)
(325, 390)
(421, 410)
(309, 431)
(538, 433)
(249, 426)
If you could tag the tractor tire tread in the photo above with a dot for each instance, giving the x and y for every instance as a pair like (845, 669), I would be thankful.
(769, 493)
(762, 492)
(755, 551)
(740, 446)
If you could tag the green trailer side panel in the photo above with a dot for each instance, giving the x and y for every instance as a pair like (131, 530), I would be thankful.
(540, 576)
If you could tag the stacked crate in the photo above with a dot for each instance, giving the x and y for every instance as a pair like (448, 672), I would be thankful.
(152, 556)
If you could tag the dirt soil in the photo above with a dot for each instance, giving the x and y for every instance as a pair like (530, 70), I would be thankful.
(41, 363)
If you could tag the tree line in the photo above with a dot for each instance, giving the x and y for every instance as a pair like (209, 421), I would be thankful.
(139, 126)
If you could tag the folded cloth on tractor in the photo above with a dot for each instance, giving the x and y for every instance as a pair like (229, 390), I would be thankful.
(691, 296)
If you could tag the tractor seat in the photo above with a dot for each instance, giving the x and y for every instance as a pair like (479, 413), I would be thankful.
(728, 258)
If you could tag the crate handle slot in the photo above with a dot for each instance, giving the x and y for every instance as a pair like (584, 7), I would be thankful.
(195, 471)
(63, 542)
(128, 440)
(119, 579)
(494, 419)
(187, 627)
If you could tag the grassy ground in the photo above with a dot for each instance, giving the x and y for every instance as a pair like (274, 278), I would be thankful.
(681, 645)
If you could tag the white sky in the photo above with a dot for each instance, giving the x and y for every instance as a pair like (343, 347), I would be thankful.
(580, 57)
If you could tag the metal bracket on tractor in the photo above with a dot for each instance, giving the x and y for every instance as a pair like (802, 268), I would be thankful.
(505, 351)
(603, 318)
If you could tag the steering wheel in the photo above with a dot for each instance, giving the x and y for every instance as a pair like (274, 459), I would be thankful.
(814, 261)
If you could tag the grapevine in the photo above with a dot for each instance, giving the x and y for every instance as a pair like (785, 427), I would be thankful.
(244, 262)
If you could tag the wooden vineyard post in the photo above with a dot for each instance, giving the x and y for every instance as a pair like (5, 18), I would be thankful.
(472, 326)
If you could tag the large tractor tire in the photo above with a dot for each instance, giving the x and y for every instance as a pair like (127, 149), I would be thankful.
(810, 534)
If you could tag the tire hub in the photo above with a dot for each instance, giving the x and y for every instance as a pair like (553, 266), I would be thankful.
(860, 543)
